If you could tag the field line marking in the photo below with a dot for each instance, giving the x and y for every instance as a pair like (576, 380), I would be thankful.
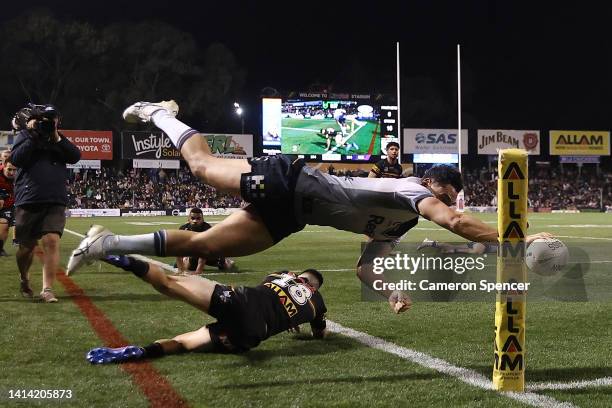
(155, 387)
(597, 382)
(465, 375)
(573, 236)
(301, 129)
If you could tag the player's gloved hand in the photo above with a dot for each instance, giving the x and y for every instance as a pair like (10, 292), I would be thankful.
(533, 237)
(399, 301)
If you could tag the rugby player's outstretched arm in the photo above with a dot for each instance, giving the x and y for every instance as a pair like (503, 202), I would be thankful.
(461, 224)
(398, 301)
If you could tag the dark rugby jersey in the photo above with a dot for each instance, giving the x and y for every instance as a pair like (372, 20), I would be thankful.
(7, 187)
(287, 301)
(196, 228)
(385, 170)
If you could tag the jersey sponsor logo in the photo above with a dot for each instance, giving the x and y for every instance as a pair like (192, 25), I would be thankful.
(300, 293)
(285, 300)
(372, 223)
(400, 228)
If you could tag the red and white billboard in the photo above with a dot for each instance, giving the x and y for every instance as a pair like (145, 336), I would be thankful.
(93, 144)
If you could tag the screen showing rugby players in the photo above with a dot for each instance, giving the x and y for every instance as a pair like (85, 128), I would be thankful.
(348, 128)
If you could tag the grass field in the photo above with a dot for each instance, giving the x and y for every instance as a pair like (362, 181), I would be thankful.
(43, 346)
(301, 136)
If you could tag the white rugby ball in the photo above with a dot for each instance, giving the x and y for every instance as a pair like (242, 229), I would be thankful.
(546, 256)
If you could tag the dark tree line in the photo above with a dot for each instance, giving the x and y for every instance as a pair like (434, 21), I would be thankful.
(93, 72)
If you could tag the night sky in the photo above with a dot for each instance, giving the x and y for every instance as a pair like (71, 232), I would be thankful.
(525, 65)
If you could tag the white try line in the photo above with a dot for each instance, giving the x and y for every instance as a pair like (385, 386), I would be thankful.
(350, 135)
(577, 237)
(598, 382)
(465, 375)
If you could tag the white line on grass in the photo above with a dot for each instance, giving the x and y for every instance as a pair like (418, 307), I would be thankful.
(302, 129)
(598, 382)
(573, 236)
(465, 375)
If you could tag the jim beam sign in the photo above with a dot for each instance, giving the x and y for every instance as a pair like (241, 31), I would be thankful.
(491, 141)
(510, 307)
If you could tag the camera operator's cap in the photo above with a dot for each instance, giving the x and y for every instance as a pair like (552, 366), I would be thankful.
(46, 110)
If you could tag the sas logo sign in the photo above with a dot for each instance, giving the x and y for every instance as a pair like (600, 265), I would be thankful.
(443, 141)
(436, 138)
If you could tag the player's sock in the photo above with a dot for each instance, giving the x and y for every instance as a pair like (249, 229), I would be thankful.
(153, 350)
(145, 244)
(128, 263)
(176, 130)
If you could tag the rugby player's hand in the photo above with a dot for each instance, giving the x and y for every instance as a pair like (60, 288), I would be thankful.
(533, 237)
(399, 301)
(294, 330)
(319, 334)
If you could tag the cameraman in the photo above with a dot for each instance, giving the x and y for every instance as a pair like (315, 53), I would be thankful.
(40, 154)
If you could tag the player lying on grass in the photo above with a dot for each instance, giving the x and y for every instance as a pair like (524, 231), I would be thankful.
(245, 315)
(285, 195)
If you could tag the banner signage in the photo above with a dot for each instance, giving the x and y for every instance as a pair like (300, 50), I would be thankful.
(579, 159)
(491, 141)
(155, 164)
(85, 164)
(230, 146)
(93, 144)
(94, 212)
(443, 141)
(579, 142)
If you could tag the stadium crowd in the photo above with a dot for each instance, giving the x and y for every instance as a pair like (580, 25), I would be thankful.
(168, 189)
(548, 188)
(143, 189)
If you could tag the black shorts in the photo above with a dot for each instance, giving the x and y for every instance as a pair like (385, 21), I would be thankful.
(270, 187)
(239, 326)
(32, 221)
(9, 215)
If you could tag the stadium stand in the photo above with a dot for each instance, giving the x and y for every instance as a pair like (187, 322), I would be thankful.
(143, 188)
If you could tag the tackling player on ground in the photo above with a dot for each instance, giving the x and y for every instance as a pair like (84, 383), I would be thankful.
(245, 316)
(285, 195)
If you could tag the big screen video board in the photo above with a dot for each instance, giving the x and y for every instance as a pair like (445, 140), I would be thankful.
(324, 126)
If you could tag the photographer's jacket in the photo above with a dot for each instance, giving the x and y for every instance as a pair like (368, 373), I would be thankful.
(41, 169)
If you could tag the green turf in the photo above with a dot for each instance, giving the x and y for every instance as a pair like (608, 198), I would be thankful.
(301, 136)
(43, 346)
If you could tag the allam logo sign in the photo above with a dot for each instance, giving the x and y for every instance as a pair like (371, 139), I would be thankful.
(442, 141)
(579, 143)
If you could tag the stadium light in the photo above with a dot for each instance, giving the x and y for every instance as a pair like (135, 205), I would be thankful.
(239, 111)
